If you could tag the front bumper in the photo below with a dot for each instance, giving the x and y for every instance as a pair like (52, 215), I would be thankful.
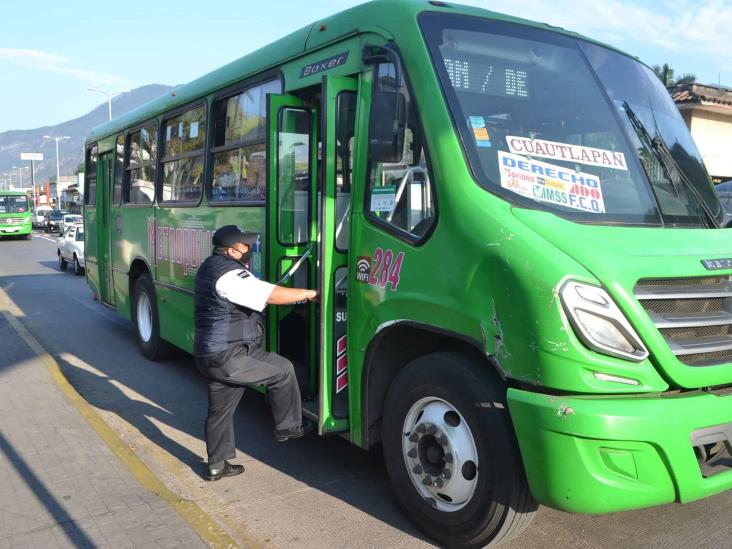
(7, 230)
(595, 454)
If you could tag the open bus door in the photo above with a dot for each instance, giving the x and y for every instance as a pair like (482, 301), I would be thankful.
(104, 207)
(308, 237)
(291, 233)
(339, 116)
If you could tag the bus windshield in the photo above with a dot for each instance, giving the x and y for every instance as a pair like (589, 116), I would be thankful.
(13, 204)
(551, 122)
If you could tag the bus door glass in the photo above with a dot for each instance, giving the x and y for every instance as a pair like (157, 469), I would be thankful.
(291, 233)
(339, 118)
(104, 201)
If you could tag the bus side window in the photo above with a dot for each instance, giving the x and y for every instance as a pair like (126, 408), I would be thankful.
(90, 180)
(238, 145)
(139, 183)
(400, 193)
(184, 137)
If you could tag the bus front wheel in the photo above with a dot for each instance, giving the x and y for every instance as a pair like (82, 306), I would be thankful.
(145, 317)
(451, 453)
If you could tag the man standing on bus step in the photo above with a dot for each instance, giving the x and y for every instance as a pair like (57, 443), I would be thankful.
(228, 303)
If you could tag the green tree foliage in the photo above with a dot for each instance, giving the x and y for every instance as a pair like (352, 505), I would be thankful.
(79, 168)
(666, 75)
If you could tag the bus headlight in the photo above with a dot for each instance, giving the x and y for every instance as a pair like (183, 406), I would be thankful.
(598, 322)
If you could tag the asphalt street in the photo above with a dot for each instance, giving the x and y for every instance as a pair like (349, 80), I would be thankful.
(312, 492)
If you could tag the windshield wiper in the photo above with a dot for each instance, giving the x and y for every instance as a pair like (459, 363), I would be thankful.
(668, 164)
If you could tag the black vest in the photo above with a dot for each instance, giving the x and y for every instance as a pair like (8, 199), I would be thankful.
(220, 323)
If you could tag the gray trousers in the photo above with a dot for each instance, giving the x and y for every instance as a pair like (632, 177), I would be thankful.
(227, 375)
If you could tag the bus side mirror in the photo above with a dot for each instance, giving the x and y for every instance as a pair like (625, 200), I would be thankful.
(387, 126)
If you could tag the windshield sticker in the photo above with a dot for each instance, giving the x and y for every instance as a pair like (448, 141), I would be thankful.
(551, 184)
(383, 199)
(480, 132)
(565, 151)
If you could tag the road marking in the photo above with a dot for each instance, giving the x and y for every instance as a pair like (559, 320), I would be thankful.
(44, 237)
(204, 525)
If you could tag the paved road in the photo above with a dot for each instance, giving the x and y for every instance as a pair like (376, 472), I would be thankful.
(313, 492)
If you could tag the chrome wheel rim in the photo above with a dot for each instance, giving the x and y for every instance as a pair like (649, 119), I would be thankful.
(144, 317)
(440, 454)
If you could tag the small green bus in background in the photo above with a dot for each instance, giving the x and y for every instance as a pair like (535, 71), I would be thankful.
(15, 214)
(526, 285)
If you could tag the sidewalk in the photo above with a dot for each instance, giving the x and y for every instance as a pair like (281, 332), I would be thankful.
(60, 484)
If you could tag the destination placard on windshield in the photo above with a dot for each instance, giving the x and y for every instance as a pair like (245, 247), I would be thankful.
(567, 151)
(552, 184)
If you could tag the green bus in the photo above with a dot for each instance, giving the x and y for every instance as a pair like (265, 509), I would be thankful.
(525, 280)
(15, 214)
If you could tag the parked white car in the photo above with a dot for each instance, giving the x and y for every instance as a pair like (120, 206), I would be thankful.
(71, 248)
(69, 219)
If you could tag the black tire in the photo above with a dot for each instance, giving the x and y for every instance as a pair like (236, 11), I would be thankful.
(148, 335)
(28, 236)
(62, 263)
(78, 269)
(500, 505)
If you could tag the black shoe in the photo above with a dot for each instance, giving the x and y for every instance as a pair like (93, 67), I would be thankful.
(228, 470)
(282, 435)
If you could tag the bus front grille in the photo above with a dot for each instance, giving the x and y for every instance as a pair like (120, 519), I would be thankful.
(11, 220)
(694, 315)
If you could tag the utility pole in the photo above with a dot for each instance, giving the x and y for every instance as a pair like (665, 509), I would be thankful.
(58, 170)
(33, 157)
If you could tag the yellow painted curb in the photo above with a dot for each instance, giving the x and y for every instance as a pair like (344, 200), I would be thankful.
(203, 524)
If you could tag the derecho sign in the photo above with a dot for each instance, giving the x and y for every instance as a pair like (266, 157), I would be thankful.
(548, 183)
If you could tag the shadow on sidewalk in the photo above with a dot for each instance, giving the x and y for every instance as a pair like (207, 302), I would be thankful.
(104, 394)
(43, 494)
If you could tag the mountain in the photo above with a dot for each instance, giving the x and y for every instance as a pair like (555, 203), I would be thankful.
(71, 151)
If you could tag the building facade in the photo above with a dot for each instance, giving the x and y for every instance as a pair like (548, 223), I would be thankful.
(707, 111)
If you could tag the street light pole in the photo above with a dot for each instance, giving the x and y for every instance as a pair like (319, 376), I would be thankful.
(20, 175)
(109, 99)
(58, 169)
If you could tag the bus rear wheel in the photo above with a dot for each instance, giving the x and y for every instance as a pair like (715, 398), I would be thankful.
(455, 467)
(145, 317)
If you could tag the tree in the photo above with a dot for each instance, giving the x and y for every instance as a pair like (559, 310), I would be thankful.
(666, 75)
(80, 168)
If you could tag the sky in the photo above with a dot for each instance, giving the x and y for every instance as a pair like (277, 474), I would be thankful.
(52, 51)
